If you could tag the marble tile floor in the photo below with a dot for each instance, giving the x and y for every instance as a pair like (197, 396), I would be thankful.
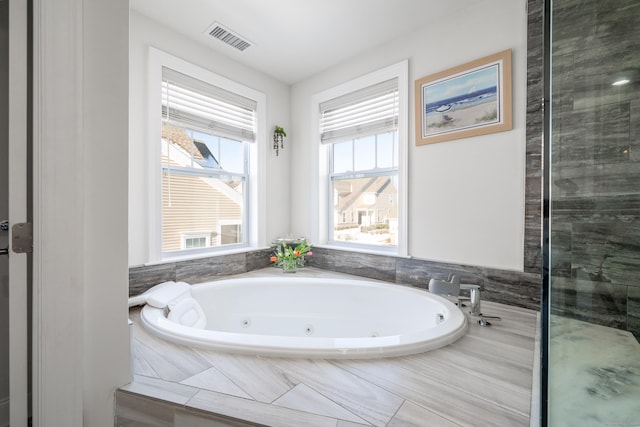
(483, 379)
(594, 375)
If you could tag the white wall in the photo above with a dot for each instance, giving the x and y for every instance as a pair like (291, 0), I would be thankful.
(466, 197)
(106, 278)
(144, 33)
(80, 269)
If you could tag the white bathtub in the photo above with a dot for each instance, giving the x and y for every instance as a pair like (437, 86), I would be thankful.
(314, 318)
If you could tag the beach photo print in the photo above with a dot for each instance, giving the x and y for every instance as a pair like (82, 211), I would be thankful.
(468, 100)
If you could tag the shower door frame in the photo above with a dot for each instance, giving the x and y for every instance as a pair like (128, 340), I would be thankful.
(545, 300)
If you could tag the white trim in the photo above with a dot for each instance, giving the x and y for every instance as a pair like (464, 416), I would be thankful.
(58, 257)
(403, 157)
(154, 135)
(256, 226)
(319, 173)
(188, 255)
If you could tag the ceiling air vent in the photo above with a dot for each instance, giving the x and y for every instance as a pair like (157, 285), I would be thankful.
(229, 37)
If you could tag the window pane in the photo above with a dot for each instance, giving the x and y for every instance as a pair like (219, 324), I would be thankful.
(191, 204)
(343, 157)
(196, 242)
(190, 148)
(386, 148)
(230, 233)
(187, 148)
(232, 155)
(207, 148)
(364, 153)
(365, 210)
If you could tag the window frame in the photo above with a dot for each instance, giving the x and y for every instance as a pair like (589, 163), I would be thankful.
(256, 156)
(322, 202)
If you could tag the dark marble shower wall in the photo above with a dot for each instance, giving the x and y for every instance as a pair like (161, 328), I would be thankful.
(595, 164)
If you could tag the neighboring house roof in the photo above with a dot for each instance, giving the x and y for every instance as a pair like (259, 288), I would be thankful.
(180, 137)
(209, 161)
(354, 193)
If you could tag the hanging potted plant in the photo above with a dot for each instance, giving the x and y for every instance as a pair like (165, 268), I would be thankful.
(278, 138)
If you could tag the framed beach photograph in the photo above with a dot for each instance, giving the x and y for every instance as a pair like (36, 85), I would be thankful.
(468, 100)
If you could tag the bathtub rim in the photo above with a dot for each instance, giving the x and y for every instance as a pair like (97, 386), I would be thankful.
(455, 326)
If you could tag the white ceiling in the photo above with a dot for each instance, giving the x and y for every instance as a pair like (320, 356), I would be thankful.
(295, 39)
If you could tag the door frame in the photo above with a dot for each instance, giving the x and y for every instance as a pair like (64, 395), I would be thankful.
(18, 294)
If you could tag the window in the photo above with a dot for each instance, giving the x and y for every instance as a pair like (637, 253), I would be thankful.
(362, 128)
(230, 232)
(207, 160)
(193, 240)
(364, 176)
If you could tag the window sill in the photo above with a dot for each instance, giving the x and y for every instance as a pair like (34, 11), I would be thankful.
(390, 252)
(207, 254)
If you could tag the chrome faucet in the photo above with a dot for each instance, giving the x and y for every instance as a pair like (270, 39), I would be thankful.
(476, 310)
(484, 322)
(474, 300)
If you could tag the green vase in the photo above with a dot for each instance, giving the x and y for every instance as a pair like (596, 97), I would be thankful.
(289, 265)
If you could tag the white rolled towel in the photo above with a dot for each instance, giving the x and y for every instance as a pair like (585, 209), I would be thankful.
(161, 297)
(142, 298)
(187, 312)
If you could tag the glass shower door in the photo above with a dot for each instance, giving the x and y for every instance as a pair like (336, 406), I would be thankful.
(594, 215)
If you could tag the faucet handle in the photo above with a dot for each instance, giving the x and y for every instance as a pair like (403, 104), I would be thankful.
(484, 322)
(4, 225)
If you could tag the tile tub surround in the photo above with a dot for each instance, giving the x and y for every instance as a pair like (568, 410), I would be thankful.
(197, 270)
(485, 378)
(508, 287)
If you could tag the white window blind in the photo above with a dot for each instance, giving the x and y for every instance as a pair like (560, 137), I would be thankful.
(192, 103)
(371, 110)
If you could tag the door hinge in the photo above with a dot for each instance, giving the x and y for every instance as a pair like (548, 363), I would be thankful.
(22, 238)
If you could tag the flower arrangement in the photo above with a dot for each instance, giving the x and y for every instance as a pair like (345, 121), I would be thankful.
(288, 255)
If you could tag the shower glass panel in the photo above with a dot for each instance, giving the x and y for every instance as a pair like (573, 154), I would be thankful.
(594, 214)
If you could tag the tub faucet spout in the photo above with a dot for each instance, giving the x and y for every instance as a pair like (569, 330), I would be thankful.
(473, 298)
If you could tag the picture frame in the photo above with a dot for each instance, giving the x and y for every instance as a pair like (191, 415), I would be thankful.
(468, 100)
